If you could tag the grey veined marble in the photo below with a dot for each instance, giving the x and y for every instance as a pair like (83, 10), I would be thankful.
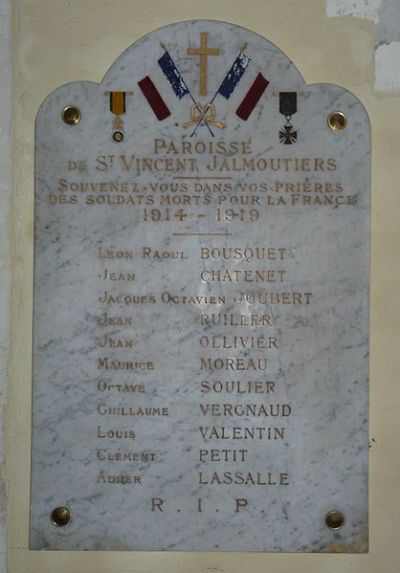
(201, 304)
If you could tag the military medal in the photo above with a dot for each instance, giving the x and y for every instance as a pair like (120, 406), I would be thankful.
(288, 107)
(118, 108)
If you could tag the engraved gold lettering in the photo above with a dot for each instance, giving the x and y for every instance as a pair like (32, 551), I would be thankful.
(215, 364)
(239, 410)
(229, 342)
(242, 433)
(244, 478)
(237, 387)
(239, 275)
(243, 320)
(222, 455)
(123, 479)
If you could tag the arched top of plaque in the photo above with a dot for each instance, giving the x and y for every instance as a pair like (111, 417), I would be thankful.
(206, 78)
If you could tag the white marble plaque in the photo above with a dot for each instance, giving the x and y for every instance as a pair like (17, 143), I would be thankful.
(201, 304)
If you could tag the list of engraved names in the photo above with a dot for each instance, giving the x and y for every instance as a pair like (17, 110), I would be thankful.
(204, 264)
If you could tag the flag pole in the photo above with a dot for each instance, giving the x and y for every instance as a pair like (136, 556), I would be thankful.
(242, 49)
(164, 47)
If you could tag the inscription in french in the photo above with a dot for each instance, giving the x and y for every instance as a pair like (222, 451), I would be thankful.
(201, 304)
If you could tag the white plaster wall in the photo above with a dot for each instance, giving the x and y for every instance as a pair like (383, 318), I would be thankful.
(359, 8)
(5, 120)
(387, 66)
(386, 16)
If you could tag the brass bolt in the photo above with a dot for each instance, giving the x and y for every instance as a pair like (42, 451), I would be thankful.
(337, 120)
(118, 136)
(71, 115)
(334, 519)
(60, 516)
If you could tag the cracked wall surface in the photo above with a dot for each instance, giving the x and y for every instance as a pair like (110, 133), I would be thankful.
(358, 8)
(386, 16)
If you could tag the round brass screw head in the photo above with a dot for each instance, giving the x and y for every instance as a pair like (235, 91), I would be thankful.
(337, 120)
(60, 516)
(118, 136)
(71, 115)
(334, 519)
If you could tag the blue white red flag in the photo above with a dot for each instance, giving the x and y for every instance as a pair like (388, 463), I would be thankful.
(173, 75)
(234, 75)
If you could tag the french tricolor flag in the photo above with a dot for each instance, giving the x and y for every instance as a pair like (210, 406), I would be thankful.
(252, 97)
(176, 81)
(173, 75)
(234, 76)
(154, 98)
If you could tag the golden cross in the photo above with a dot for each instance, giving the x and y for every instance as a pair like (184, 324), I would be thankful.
(204, 51)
